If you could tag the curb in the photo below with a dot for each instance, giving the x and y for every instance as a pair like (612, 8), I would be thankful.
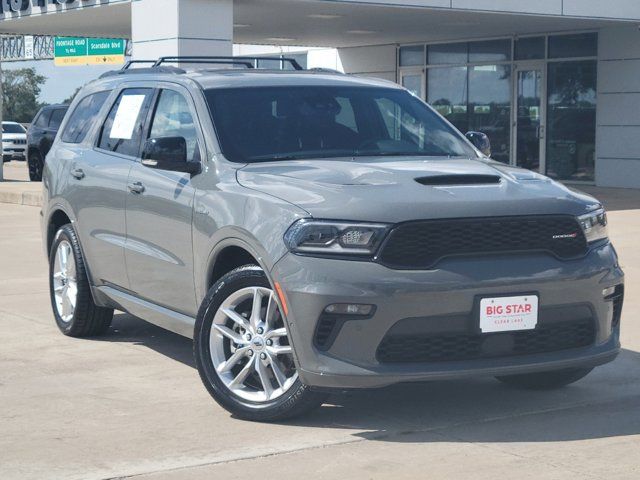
(32, 199)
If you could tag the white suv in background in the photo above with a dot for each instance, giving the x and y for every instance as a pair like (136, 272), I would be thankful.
(14, 141)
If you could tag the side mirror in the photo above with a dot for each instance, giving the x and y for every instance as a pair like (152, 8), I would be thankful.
(168, 153)
(480, 141)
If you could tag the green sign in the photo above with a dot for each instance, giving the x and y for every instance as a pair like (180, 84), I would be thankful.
(70, 47)
(69, 51)
(105, 46)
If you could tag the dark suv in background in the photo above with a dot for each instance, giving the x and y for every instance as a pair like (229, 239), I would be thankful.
(40, 137)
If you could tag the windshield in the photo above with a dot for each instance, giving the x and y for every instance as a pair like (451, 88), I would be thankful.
(12, 128)
(289, 123)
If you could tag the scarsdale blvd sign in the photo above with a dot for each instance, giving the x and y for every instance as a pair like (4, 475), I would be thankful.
(70, 51)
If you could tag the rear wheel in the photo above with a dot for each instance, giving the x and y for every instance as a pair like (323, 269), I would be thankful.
(243, 352)
(73, 308)
(546, 380)
(36, 166)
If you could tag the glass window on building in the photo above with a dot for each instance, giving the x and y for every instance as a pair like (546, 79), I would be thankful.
(489, 108)
(269, 64)
(571, 120)
(448, 54)
(573, 46)
(448, 94)
(413, 83)
(530, 48)
(412, 56)
(490, 51)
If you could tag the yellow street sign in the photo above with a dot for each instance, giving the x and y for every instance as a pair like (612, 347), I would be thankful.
(105, 59)
(70, 61)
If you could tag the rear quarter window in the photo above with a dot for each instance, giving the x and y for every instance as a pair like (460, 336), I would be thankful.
(83, 117)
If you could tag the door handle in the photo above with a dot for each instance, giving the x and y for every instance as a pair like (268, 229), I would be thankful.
(136, 187)
(78, 173)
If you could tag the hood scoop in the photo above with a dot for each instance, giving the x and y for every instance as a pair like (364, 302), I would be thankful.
(458, 180)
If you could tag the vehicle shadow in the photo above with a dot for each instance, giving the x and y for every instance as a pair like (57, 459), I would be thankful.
(126, 328)
(605, 404)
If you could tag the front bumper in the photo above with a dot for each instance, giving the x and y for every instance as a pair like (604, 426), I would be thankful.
(435, 301)
(10, 152)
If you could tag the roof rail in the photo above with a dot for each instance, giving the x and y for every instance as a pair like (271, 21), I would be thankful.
(248, 62)
(156, 66)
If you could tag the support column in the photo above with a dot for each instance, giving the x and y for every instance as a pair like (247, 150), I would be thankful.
(1, 118)
(181, 27)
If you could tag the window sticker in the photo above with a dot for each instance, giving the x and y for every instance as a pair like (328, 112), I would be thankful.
(127, 116)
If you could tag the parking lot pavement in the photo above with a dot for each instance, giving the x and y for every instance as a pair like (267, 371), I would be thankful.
(16, 187)
(131, 403)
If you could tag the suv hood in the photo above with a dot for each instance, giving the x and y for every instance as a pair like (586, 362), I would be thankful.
(384, 190)
(13, 136)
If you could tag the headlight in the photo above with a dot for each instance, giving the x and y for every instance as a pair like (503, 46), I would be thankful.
(594, 225)
(328, 237)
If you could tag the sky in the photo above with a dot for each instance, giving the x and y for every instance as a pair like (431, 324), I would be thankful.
(61, 81)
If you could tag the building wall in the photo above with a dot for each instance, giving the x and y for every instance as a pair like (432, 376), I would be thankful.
(618, 117)
(371, 61)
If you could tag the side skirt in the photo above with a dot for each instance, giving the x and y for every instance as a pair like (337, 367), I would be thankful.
(150, 312)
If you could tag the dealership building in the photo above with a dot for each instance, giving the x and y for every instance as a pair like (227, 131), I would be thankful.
(555, 84)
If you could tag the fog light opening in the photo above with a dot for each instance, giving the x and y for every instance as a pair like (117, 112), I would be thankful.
(349, 309)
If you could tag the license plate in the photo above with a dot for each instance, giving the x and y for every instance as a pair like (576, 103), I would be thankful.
(505, 314)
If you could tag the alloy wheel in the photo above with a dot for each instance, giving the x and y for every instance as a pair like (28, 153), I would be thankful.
(65, 285)
(249, 346)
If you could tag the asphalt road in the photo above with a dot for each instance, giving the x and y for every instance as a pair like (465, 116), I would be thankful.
(131, 404)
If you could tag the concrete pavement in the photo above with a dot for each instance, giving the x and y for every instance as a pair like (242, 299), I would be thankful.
(16, 187)
(131, 403)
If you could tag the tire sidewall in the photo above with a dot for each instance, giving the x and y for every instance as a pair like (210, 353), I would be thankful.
(248, 276)
(35, 167)
(66, 233)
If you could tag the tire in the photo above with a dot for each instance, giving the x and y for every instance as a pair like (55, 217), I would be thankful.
(36, 165)
(546, 380)
(243, 389)
(68, 279)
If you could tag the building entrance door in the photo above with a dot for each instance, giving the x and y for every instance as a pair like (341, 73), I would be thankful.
(529, 125)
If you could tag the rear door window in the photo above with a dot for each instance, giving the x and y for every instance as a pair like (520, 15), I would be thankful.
(56, 118)
(83, 117)
(122, 130)
(43, 119)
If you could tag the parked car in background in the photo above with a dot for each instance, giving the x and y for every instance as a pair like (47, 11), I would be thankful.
(40, 136)
(14, 141)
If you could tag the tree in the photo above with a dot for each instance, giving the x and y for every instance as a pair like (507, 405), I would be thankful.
(69, 99)
(20, 91)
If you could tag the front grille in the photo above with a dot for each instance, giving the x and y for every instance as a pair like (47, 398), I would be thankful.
(18, 142)
(422, 244)
(455, 347)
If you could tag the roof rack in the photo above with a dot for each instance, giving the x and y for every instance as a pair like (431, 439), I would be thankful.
(248, 62)
(158, 66)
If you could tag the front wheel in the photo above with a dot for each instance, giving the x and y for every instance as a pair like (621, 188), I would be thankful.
(546, 380)
(243, 353)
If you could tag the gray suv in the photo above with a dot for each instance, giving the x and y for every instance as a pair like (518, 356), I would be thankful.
(315, 232)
